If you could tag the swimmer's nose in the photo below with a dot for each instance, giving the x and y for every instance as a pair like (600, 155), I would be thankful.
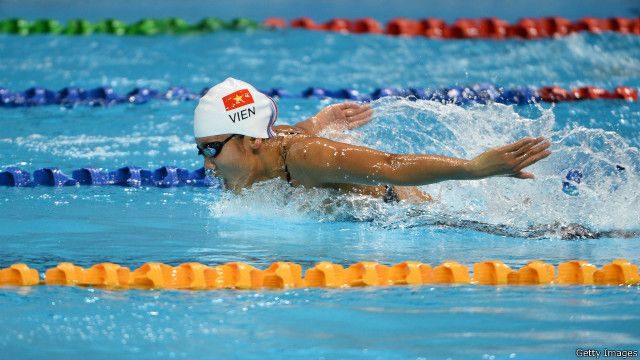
(210, 167)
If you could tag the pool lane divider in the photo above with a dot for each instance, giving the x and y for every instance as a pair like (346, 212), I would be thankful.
(464, 28)
(459, 95)
(288, 275)
(147, 26)
(130, 176)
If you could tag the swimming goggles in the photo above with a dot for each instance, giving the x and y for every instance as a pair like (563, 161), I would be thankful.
(213, 149)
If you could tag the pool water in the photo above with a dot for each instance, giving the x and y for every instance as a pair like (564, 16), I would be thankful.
(502, 218)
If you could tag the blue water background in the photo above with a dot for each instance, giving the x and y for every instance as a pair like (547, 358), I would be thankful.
(129, 226)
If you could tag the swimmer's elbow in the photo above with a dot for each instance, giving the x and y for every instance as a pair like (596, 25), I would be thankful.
(406, 170)
(394, 172)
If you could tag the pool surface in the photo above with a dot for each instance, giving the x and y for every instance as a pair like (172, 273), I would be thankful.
(500, 218)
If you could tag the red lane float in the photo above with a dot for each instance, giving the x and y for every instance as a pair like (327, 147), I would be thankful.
(366, 25)
(483, 28)
(275, 23)
(306, 23)
(558, 94)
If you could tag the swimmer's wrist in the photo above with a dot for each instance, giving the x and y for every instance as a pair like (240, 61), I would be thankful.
(471, 171)
(311, 125)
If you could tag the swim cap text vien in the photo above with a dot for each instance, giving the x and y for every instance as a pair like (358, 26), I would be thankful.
(235, 107)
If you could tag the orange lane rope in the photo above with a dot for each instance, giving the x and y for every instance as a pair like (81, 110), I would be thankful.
(287, 275)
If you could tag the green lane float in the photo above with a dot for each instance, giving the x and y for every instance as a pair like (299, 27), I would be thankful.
(142, 27)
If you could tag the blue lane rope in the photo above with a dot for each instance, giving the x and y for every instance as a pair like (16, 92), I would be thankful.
(101, 96)
(459, 95)
(132, 176)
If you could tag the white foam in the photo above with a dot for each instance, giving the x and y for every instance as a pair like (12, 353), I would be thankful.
(608, 200)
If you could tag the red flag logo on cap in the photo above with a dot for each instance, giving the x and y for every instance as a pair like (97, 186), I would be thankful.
(237, 99)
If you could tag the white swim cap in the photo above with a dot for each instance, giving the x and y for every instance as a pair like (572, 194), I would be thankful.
(235, 107)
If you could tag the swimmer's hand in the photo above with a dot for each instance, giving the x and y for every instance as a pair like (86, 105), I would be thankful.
(338, 117)
(510, 159)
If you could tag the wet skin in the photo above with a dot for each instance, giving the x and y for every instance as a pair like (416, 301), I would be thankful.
(314, 161)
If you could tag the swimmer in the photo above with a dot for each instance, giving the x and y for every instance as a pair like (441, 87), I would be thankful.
(235, 132)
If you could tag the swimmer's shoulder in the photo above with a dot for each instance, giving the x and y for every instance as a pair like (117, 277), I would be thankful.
(298, 145)
(291, 135)
(284, 130)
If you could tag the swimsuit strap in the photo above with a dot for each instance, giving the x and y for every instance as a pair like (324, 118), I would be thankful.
(286, 171)
(390, 194)
(290, 131)
(284, 153)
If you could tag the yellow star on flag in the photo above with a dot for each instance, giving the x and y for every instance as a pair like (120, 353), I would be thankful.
(238, 99)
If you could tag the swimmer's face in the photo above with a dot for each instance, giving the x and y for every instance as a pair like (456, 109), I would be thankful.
(219, 151)
(235, 156)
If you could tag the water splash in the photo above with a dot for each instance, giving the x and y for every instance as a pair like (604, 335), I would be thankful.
(608, 198)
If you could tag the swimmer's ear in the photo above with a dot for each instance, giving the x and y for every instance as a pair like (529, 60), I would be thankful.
(255, 143)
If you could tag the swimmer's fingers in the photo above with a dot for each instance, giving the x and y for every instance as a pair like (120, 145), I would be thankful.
(348, 108)
(355, 110)
(533, 157)
(526, 148)
(534, 150)
(348, 105)
(353, 106)
(531, 152)
(515, 146)
(359, 118)
(523, 175)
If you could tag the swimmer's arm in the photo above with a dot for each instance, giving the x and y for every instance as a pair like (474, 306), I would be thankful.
(337, 117)
(319, 161)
